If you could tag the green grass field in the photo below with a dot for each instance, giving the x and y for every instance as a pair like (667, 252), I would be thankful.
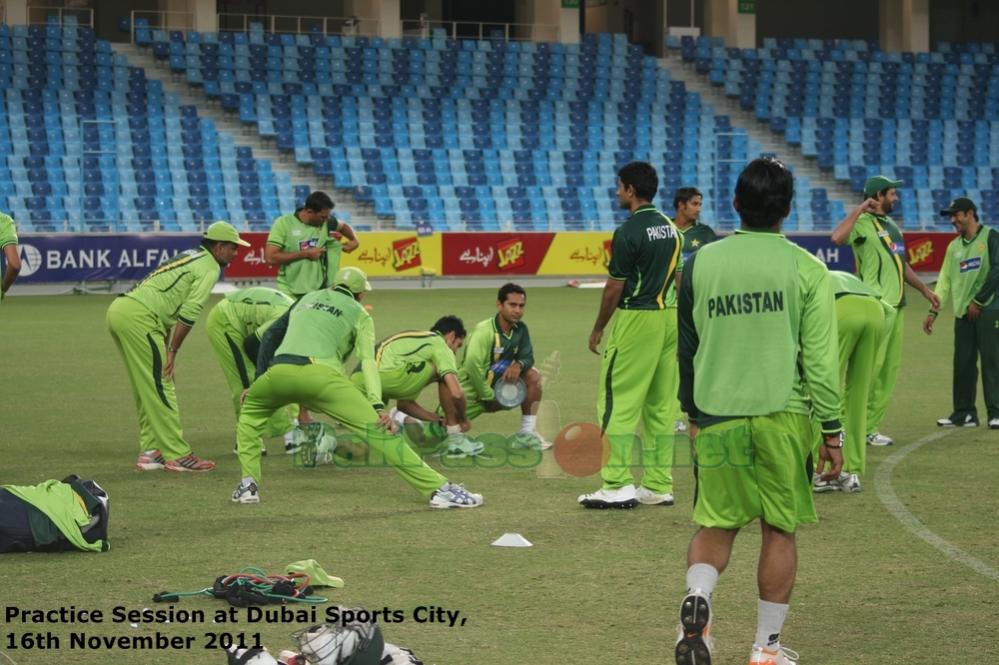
(597, 587)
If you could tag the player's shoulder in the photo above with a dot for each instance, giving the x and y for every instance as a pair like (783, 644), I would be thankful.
(6, 220)
(806, 260)
(484, 326)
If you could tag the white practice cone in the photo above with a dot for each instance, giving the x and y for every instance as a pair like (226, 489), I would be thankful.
(512, 540)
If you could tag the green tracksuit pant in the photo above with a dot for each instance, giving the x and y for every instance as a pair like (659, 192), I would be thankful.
(140, 339)
(239, 369)
(323, 389)
(639, 379)
(886, 365)
(860, 321)
(974, 339)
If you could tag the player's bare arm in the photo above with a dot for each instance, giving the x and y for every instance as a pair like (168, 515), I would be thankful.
(512, 372)
(841, 233)
(412, 408)
(275, 257)
(348, 233)
(912, 279)
(608, 303)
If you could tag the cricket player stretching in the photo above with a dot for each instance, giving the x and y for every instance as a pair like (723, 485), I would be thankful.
(301, 361)
(140, 321)
(235, 326)
(638, 373)
(410, 361)
(758, 357)
(860, 322)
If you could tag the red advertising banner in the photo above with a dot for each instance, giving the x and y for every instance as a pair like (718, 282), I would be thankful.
(926, 251)
(494, 253)
(250, 261)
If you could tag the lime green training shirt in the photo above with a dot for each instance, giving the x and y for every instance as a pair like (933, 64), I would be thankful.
(253, 309)
(970, 272)
(325, 327)
(645, 255)
(290, 234)
(8, 232)
(879, 249)
(417, 352)
(178, 289)
(757, 331)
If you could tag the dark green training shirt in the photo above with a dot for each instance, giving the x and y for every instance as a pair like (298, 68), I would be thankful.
(645, 254)
(695, 236)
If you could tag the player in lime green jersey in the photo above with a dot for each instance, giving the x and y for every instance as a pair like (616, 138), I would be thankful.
(12, 258)
(879, 249)
(638, 371)
(149, 324)
(235, 326)
(969, 278)
(300, 243)
(301, 361)
(409, 361)
(758, 359)
(860, 322)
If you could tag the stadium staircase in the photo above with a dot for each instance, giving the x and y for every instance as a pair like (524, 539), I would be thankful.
(760, 131)
(360, 214)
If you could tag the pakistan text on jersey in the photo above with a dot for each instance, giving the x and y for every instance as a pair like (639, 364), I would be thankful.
(662, 232)
(746, 303)
(335, 311)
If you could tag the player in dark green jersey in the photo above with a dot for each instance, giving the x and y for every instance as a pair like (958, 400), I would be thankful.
(499, 349)
(687, 203)
(300, 243)
(758, 358)
(149, 324)
(970, 278)
(638, 371)
(12, 258)
(879, 249)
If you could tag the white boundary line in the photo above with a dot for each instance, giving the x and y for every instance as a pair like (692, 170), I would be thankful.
(887, 496)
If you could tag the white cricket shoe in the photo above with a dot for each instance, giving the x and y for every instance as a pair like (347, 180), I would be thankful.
(649, 498)
(621, 497)
(453, 495)
(694, 643)
(879, 439)
(968, 421)
(782, 656)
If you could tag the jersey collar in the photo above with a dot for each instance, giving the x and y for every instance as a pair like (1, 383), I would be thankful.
(981, 227)
(768, 234)
(498, 330)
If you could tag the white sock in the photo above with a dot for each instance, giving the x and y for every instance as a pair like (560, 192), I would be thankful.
(248, 479)
(702, 577)
(769, 622)
(527, 423)
(453, 432)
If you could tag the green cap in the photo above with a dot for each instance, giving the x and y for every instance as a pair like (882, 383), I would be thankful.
(960, 204)
(353, 278)
(877, 183)
(224, 232)
(317, 576)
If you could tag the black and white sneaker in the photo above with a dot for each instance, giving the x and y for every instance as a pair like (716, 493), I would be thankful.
(956, 421)
(693, 644)
(246, 493)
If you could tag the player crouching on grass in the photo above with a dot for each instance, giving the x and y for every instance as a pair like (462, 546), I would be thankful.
(498, 350)
(410, 361)
(301, 362)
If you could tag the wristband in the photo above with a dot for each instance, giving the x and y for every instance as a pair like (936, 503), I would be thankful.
(934, 313)
(826, 444)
